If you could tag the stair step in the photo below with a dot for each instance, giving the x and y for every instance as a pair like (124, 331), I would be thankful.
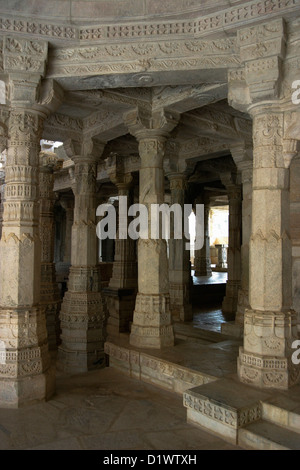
(263, 435)
(282, 411)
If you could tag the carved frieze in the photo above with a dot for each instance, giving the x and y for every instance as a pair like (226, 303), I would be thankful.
(200, 25)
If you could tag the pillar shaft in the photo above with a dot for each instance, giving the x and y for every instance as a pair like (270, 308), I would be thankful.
(222, 256)
(124, 275)
(230, 300)
(179, 263)
(1, 201)
(243, 294)
(69, 208)
(202, 256)
(50, 297)
(122, 288)
(82, 312)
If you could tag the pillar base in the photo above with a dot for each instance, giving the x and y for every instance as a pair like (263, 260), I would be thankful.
(152, 337)
(120, 305)
(50, 301)
(267, 372)
(204, 268)
(265, 361)
(229, 304)
(181, 309)
(82, 318)
(18, 392)
(79, 362)
(152, 326)
(182, 313)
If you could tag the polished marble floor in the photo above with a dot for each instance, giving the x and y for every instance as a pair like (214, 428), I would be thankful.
(105, 410)
(215, 278)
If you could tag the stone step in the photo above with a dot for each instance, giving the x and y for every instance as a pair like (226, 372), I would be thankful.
(224, 406)
(155, 369)
(263, 435)
(187, 331)
(283, 411)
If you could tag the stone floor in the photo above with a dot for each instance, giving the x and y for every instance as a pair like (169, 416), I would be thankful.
(209, 318)
(105, 410)
(215, 278)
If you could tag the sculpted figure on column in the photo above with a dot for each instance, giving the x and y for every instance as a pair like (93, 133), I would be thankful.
(152, 326)
(260, 88)
(25, 370)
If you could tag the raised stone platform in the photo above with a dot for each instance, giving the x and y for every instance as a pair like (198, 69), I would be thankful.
(202, 368)
(177, 368)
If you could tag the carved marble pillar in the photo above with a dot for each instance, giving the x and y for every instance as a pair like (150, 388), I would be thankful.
(152, 327)
(124, 274)
(122, 288)
(68, 205)
(243, 158)
(202, 256)
(26, 374)
(82, 312)
(229, 304)
(179, 262)
(222, 256)
(2, 186)
(265, 360)
(295, 232)
(270, 324)
(50, 297)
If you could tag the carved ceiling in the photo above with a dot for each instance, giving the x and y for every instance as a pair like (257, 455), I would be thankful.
(110, 57)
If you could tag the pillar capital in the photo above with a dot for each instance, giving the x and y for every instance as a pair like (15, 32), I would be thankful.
(116, 173)
(49, 162)
(177, 181)
(242, 154)
(67, 203)
(84, 150)
(151, 125)
(231, 182)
